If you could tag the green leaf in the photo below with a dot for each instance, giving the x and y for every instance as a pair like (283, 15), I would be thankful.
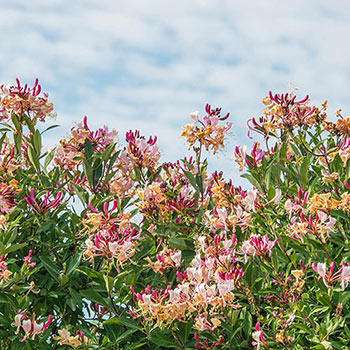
(109, 283)
(49, 158)
(50, 127)
(126, 321)
(94, 296)
(13, 247)
(50, 267)
(181, 243)
(161, 337)
(73, 263)
(89, 149)
(33, 157)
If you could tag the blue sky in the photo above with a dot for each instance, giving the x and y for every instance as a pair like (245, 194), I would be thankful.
(148, 64)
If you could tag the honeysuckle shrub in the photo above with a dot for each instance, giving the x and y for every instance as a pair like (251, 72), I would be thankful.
(105, 246)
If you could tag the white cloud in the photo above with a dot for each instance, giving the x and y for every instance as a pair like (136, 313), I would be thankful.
(147, 65)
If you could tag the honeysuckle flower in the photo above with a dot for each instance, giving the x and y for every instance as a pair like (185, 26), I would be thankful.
(276, 198)
(31, 326)
(241, 156)
(43, 206)
(209, 133)
(7, 198)
(24, 100)
(70, 153)
(249, 200)
(4, 272)
(141, 152)
(257, 245)
(258, 336)
(28, 260)
(65, 338)
(112, 244)
(328, 277)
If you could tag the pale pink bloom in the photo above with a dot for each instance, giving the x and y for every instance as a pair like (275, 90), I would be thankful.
(174, 296)
(257, 245)
(258, 336)
(328, 277)
(345, 277)
(194, 116)
(176, 258)
(276, 197)
(249, 200)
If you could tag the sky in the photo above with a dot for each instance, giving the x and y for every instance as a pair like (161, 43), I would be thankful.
(148, 64)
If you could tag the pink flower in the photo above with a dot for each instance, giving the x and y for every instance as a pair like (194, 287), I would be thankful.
(31, 326)
(328, 277)
(257, 245)
(44, 206)
(28, 260)
(258, 336)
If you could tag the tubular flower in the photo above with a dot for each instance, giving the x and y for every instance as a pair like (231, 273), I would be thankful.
(65, 338)
(44, 205)
(112, 243)
(24, 100)
(105, 219)
(69, 153)
(4, 272)
(258, 337)
(328, 277)
(208, 133)
(142, 153)
(167, 258)
(254, 159)
(31, 326)
(257, 245)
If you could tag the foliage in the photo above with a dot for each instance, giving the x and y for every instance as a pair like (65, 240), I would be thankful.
(104, 247)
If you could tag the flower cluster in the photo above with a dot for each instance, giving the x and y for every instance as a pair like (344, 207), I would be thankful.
(329, 277)
(22, 100)
(31, 326)
(283, 112)
(206, 285)
(142, 153)
(112, 244)
(4, 272)
(166, 259)
(71, 152)
(209, 133)
(44, 206)
(257, 245)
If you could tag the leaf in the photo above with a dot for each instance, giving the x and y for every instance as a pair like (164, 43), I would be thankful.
(49, 158)
(88, 172)
(89, 149)
(94, 296)
(109, 283)
(304, 170)
(12, 248)
(73, 263)
(162, 338)
(181, 243)
(33, 157)
(50, 127)
(126, 321)
(50, 267)
(80, 193)
(192, 180)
